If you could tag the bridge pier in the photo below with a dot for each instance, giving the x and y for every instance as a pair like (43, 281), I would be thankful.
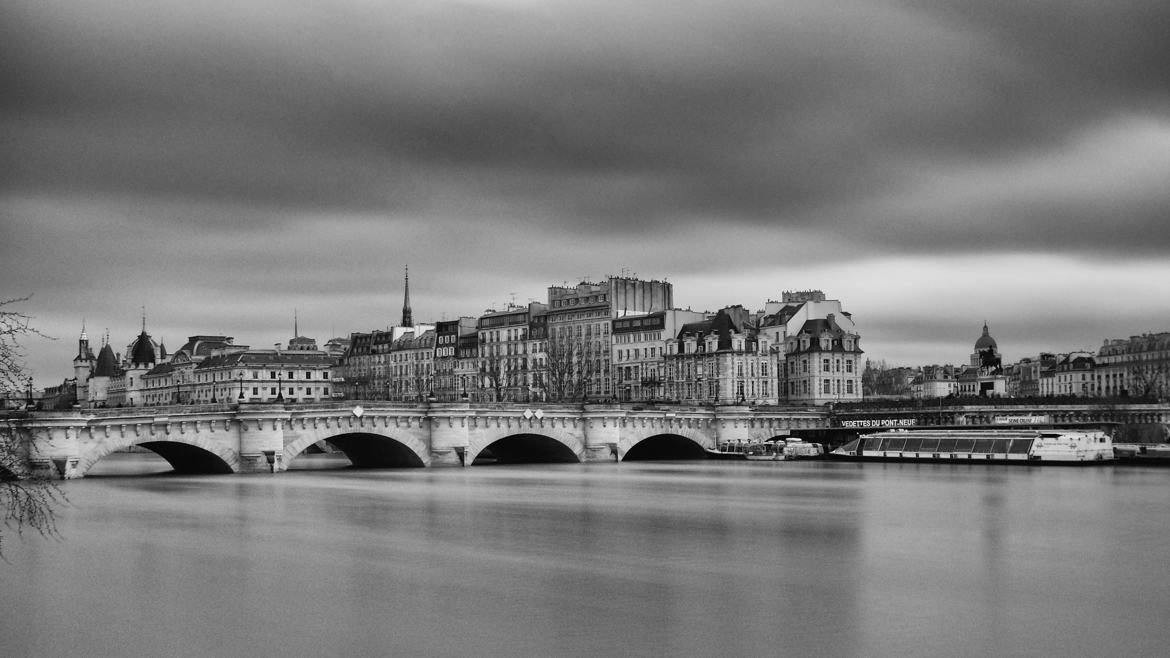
(447, 425)
(602, 433)
(261, 433)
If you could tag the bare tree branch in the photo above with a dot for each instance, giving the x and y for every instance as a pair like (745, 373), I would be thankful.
(27, 500)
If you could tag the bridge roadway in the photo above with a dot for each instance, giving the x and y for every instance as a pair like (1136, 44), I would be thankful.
(253, 438)
(264, 438)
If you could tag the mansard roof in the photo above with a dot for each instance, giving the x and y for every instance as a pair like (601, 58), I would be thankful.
(818, 327)
(199, 347)
(288, 359)
(165, 368)
(722, 324)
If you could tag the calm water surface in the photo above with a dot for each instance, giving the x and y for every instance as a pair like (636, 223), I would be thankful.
(643, 559)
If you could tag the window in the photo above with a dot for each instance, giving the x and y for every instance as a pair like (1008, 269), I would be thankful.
(825, 365)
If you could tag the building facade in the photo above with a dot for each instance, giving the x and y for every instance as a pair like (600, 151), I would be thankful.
(639, 352)
(1138, 366)
(722, 360)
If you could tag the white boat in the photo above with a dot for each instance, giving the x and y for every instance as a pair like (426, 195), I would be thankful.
(1049, 446)
(784, 449)
(798, 449)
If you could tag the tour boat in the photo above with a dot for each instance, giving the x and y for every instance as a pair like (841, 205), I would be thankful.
(1047, 446)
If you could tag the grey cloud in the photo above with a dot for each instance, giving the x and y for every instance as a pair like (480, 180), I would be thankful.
(518, 142)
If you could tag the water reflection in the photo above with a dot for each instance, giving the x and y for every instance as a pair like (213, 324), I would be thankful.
(648, 558)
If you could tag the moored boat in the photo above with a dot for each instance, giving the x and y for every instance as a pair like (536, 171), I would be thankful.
(785, 448)
(1142, 453)
(799, 449)
(768, 451)
(728, 450)
(1049, 446)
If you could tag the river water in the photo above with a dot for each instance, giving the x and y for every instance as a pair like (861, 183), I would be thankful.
(688, 558)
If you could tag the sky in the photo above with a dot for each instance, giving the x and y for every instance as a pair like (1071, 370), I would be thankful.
(935, 164)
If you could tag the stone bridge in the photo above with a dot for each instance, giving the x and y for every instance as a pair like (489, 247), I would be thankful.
(251, 438)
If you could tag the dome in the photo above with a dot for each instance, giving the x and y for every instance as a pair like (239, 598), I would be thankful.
(142, 352)
(985, 341)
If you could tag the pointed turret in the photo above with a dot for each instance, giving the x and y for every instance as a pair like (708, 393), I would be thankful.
(407, 318)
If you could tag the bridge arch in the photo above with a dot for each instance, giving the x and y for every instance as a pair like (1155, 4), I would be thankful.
(525, 447)
(186, 453)
(666, 445)
(366, 449)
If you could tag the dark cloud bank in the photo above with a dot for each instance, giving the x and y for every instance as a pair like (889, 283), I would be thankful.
(253, 149)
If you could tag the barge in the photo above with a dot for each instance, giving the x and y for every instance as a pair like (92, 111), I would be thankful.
(1019, 446)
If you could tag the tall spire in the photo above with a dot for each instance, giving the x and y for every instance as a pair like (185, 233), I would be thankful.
(407, 319)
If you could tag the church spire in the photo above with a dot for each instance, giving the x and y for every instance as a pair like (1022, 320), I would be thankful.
(407, 319)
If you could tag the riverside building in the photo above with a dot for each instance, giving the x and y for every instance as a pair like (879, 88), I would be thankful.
(579, 351)
(511, 354)
(720, 361)
(639, 352)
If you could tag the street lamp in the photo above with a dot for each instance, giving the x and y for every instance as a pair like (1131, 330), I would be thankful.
(240, 378)
(30, 398)
(280, 386)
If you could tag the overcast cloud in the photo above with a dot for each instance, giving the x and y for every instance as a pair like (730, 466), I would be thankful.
(932, 164)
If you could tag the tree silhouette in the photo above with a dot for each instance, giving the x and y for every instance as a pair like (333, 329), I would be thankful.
(27, 499)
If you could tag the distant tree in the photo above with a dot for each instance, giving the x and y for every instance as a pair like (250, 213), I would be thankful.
(27, 500)
(568, 372)
(1149, 379)
(493, 375)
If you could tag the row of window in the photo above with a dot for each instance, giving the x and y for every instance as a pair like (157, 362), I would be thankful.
(576, 301)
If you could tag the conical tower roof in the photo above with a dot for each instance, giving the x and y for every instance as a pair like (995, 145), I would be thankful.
(107, 362)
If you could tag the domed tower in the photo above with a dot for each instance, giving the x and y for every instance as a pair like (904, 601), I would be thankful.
(986, 354)
(141, 356)
(141, 353)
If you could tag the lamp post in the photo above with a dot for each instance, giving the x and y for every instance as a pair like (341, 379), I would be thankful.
(240, 379)
(30, 397)
(280, 386)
